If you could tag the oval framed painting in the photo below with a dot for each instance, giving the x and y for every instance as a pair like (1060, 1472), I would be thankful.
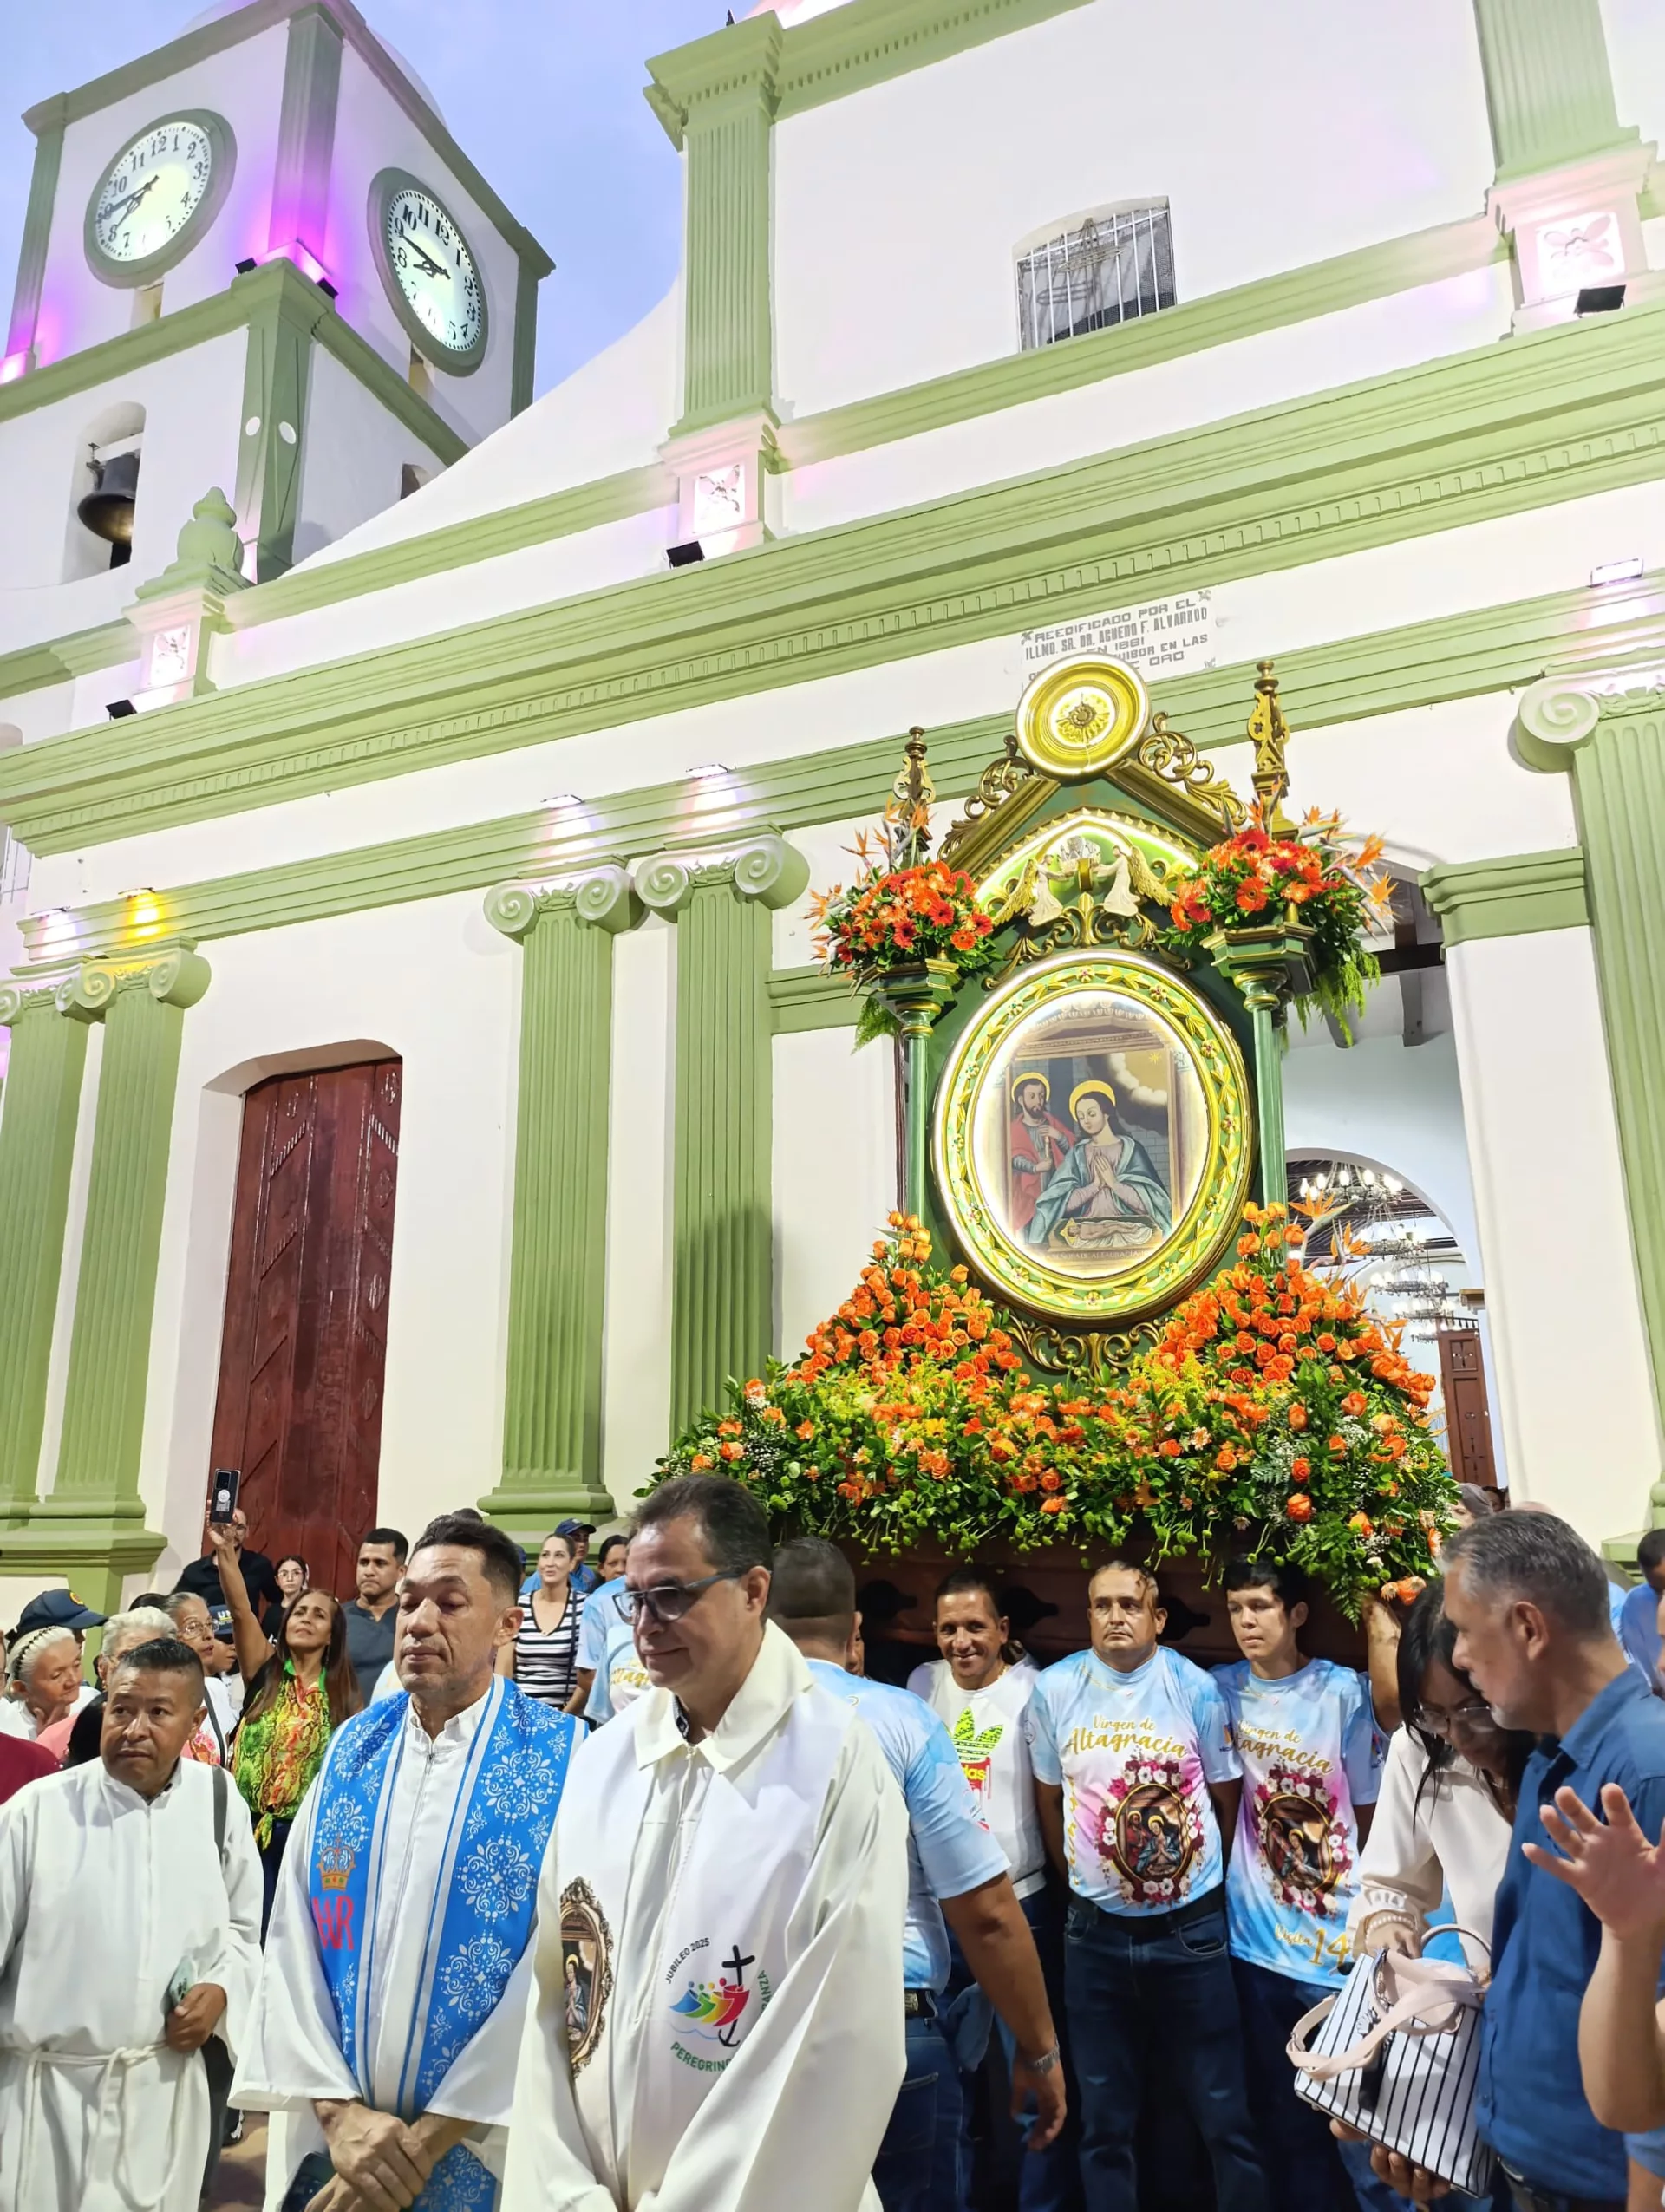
(1094, 1137)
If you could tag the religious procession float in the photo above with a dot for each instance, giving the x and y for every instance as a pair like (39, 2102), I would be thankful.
(1092, 1323)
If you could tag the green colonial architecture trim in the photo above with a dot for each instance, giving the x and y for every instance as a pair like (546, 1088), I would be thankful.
(276, 287)
(275, 377)
(50, 118)
(1494, 649)
(1549, 88)
(1560, 414)
(37, 1144)
(723, 1235)
(808, 998)
(1512, 898)
(552, 1417)
(1609, 738)
(306, 130)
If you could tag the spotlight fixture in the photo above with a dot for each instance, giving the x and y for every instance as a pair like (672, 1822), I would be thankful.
(684, 556)
(244, 267)
(707, 769)
(1599, 299)
(563, 798)
(1616, 571)
(325, 287)
(118, 709)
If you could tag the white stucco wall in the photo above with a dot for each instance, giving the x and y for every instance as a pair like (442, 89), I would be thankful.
(1576, 1402)
(635, 1397)
(435, 984)
(834, 1172)
(355, 452)
(1635, 52)
(898, 208)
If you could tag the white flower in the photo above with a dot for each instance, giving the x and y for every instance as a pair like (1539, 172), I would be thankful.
(498, 1879)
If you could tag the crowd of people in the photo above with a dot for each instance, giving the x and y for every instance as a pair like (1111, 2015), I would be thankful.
(569, 1885)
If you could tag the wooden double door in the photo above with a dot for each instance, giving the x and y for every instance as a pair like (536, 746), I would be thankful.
(304, 1353)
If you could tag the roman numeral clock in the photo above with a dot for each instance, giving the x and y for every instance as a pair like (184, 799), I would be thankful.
(428, 268)
(159, 195)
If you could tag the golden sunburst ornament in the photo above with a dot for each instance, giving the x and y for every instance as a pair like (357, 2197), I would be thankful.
(1079, 715)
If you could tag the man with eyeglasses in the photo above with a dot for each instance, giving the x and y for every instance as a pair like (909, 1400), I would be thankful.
(1138, 1786)
(720, 1917)
(958, 1879)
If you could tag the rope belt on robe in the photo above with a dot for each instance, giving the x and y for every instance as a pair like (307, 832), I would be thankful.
(114, 2069)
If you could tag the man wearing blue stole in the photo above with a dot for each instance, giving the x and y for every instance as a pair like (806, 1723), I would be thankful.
(398, 1959)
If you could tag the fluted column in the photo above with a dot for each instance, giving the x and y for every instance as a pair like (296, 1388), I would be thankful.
(722, 1270)
(37, 1144)
(1548, 90)
(1609, 734)
(552, 1422)
(141, 1002)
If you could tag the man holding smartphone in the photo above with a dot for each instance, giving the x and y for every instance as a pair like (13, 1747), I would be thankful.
(201, 1577)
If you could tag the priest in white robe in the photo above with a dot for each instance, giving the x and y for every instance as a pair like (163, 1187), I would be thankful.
(717, 2025)
(398, 1958)
(129, 1933)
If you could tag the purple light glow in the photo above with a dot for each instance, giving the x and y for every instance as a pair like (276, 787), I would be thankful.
(303, 258)
(14, 366)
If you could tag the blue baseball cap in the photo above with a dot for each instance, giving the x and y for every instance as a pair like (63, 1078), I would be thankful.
(57, 1609)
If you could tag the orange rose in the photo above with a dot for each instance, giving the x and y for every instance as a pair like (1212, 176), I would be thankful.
(1300, 1470)
(1353, 1402)
(1297, 1417)
(1299, 1507)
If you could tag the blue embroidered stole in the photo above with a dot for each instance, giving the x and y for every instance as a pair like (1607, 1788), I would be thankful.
(477, 1923)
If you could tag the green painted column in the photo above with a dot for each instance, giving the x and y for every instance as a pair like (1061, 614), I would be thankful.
(275, 370)
(1548, 90)
(551, 1421)
(1612, 744)
(306, 133)
(37, 1142)
(94, 1509)
(722, 1242)
(718, 98)
(47, 121)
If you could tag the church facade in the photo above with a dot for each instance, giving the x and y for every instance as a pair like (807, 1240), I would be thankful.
(420, 1088)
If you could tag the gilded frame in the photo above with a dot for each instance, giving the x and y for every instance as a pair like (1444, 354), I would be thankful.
(1153, 1280)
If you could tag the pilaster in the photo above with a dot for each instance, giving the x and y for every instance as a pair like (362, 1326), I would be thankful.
(47, 122)
(178, 613)
(551, 1417)
(275, 374)
(1609, 737)
(37, 1143)
(722, 1267)
(306, 136)
(1548, 90)
(141, 1001)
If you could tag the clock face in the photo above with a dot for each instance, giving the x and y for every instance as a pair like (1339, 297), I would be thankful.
(435, 272)
(152, 191)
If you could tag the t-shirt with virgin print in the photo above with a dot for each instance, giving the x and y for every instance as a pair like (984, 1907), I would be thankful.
(1135, 1754)
(620, 1676)
(1309, 1748)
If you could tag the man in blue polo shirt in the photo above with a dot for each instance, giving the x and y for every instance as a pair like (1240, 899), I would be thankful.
(956, 1878)
(1139, 1788)
(1528, 1598)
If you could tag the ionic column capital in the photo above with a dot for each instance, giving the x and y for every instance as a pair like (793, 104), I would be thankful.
(601, 898)
(766, 868)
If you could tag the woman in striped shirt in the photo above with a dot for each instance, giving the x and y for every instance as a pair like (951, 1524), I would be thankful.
(543, 1658)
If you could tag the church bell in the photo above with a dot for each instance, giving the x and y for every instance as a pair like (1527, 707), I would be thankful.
(107, 510)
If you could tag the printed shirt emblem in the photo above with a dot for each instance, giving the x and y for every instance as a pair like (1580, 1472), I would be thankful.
(586, 1970)
(976, 1748)
(716, 2010)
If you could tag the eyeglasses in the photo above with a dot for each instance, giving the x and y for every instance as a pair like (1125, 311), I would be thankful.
(669, 1601)
(1478, 1715)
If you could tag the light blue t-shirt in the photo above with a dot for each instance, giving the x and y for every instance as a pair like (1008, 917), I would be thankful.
(1639, 1630)
(620, 1675)
(599, 1622)
(949, 1851)
(1135, 1754)
(1307, 1744)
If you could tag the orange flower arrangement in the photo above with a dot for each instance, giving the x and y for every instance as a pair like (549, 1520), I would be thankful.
(910, 1415)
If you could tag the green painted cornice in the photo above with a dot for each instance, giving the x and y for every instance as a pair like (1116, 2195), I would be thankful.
(83, 652)
(738, 66)
(193, 47)
(863, 43)
(808, 998)
(276, 287)
(1558, 414)
(1489, 651)
(1512, 897)
(1221, 318)
(1270, 303)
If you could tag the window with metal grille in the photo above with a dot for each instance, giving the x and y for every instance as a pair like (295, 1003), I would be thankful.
(1115, 265)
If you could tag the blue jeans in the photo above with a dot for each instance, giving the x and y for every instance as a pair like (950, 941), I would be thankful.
(1154, 2003)
(1300, 2150)
(917, 2166)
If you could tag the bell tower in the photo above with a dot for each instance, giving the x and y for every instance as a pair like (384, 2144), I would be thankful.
(255, 258)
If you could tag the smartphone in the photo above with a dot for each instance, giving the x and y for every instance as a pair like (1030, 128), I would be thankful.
(222, 1498)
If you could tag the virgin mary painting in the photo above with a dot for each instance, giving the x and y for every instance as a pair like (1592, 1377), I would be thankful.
(1104, 1195)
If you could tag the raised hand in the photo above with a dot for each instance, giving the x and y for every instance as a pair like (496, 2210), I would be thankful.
(1611, 1865)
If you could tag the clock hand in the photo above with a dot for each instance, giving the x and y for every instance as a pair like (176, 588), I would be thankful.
(433, 267)
(125, 206)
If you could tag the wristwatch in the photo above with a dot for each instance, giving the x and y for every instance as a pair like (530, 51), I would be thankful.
(1044, 2064)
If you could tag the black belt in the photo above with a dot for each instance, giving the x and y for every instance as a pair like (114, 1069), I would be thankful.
(1202, 1908)
(918, 2005)
(1530, 2198)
